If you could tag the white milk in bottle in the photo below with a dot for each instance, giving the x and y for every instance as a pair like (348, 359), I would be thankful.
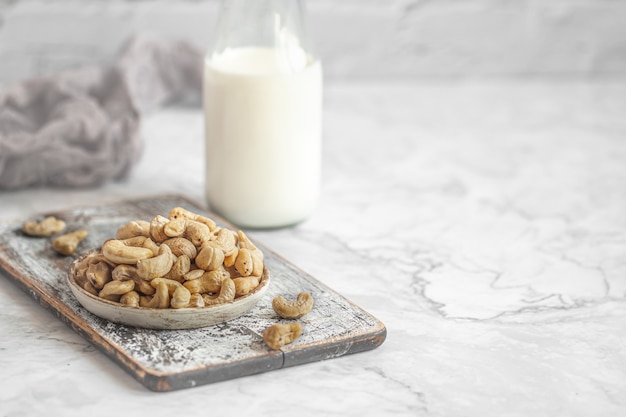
(263, 118)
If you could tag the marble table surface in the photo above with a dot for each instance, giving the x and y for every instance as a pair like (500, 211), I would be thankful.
(484, 223)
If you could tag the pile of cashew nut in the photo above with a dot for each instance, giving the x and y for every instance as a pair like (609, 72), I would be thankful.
(183, 260)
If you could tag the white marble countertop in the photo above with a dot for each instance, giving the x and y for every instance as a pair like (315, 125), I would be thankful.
(483, 223)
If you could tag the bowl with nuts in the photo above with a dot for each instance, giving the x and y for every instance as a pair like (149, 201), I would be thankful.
(177, 272)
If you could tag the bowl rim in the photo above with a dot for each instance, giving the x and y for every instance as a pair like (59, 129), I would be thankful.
(71, 277)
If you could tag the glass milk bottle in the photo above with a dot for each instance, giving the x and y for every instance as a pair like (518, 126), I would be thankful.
(263, 115)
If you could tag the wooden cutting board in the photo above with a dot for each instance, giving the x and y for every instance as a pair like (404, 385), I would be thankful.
(166, 360)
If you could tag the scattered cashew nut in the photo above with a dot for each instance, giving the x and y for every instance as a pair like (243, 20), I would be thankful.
(293, 309)
(66, 244)
(47, 227)
(279, 335)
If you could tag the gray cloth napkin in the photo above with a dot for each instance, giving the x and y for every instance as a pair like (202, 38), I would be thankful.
(81, 128)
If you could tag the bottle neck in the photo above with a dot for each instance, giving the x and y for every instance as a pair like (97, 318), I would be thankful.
(279, 25)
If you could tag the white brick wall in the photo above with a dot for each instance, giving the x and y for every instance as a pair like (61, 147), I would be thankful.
(356, 38)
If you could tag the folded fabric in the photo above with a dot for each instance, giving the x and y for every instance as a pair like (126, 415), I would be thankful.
(81, 128)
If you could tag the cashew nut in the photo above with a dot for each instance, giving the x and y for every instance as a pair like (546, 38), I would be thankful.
(210, 258)
(66, 244)
(81, 276)
(194, 274)
(226, 295)
(244, 263)
(83, 267)
(198, 233)
(226, 240)
(47, 227)
(181, 213)
(196, 300)
(279, 335)
(152, 245)
(255, 253)
(112, 290)
(125, 272)
(161, 299)
(95, 257)
(132, 229)
(211, 281)
(157, 266)
(181, 266)
(157, 224)
(246, 243)
(137, 241)
(98, 274)
(118, 251)
(182, 246)
(130, 299)
(90, 288)
(180, 295)
(293, 309)
(230, 259)
(243, 285)
(175, 227)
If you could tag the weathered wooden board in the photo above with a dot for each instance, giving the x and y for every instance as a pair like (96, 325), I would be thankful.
(166, 360)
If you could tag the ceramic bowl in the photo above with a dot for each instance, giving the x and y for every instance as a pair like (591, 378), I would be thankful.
(170, 318)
